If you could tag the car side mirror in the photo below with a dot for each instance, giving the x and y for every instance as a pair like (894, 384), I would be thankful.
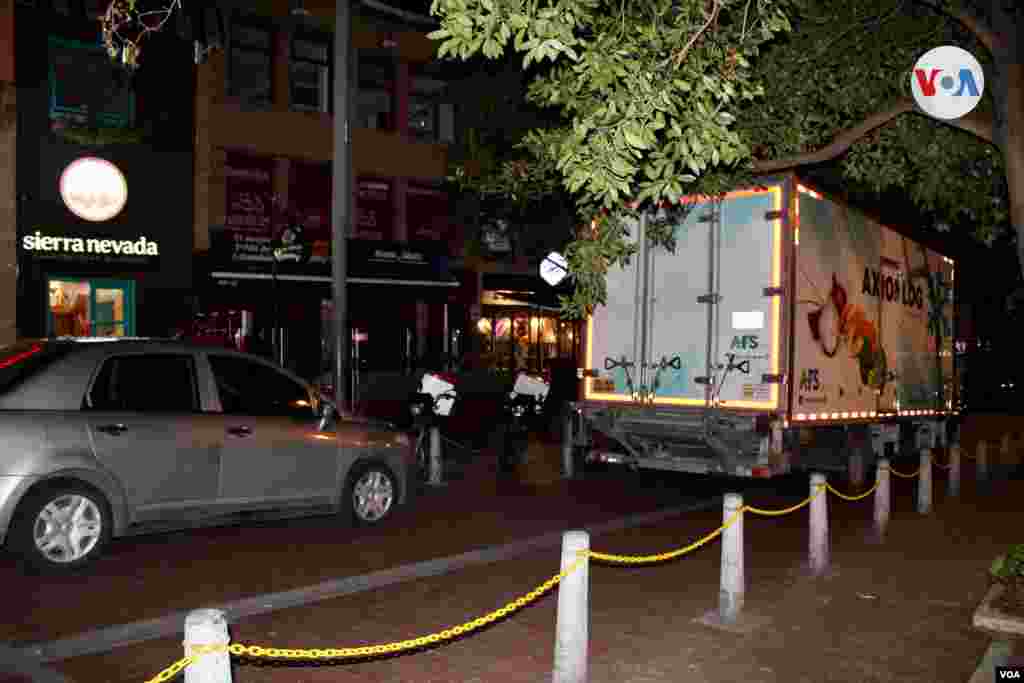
(328, 413)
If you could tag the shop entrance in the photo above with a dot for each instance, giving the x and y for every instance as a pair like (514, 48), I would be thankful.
(79, 307)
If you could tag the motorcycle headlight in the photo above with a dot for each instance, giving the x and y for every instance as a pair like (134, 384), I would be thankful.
(416, 409)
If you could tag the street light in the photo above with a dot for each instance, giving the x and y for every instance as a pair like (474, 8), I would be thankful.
(554, 268)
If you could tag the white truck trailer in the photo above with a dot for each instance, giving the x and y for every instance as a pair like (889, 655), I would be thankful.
(786, 330)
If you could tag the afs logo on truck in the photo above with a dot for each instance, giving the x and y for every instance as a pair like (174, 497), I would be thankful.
(947, 82)
(745, 342)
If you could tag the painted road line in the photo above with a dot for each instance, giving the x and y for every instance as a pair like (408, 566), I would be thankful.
(112, 637)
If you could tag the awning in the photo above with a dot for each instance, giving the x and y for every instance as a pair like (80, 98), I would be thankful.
(528, 290)
(288, 277)
(370, 262)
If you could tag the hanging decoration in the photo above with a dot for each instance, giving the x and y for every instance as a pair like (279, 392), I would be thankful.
(126, 23)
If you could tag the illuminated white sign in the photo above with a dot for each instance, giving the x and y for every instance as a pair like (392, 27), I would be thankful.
(748, 320)
(93, 189)
(89, 245)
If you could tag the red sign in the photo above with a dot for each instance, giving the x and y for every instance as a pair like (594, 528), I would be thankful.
(309, 200)
(428, 215)
(374, 210)
(249, 210)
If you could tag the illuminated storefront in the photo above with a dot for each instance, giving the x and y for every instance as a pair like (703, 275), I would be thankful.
(104, 219)
(522, 329)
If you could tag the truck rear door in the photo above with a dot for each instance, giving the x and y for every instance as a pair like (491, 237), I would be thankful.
(715, 304)
(612, 352)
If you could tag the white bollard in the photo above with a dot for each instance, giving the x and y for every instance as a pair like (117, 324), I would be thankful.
(435, 474)
(883, 499)
(982, 462)
(954, 471)
(205, 627)
(733, 581)
(567, 444)
(572, 624)
(924, 483)
(817, 550)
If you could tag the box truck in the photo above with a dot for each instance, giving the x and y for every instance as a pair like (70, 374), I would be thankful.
(785, 330)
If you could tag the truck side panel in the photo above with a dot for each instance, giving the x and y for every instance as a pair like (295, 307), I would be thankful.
(863, 341)
(915, 288)
(831, 370)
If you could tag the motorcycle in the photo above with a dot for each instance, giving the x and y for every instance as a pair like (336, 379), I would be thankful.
(434, 400)
(524, 409)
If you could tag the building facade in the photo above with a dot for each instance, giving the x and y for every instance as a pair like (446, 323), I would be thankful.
(264, 141)
(103, 199)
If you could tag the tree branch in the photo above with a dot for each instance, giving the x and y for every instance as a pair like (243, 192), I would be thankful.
(976, 123)
(973, 22)
(693, 39)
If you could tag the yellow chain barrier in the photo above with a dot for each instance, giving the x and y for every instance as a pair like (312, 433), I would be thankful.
(856, 497)
(778, 513)
(661, 557)
(906, 476)
(240, 649)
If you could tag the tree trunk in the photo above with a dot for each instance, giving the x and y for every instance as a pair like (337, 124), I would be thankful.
(1013, 154)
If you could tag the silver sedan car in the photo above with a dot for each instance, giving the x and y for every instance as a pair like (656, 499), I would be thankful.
(117, 437)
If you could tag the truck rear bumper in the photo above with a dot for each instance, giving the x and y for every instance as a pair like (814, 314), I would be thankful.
(689, 465)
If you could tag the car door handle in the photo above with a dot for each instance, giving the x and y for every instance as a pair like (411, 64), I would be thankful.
(239, 431)
(112, 429)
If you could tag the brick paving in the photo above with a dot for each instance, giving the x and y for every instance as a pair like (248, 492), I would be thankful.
(896, 612)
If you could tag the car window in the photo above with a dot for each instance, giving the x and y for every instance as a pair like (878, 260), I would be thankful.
(250, 388)
(146, 383)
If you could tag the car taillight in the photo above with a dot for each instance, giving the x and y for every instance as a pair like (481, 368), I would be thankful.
(18, 357)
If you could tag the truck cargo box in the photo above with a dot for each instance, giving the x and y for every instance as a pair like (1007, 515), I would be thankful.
(777, 304)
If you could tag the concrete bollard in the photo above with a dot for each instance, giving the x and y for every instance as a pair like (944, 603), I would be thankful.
(924, 483)
(572, 623)
(568, 466)
(207, 627)
(733, 581)
(982, 462)
(954, 471)
(435, 473)
(883, 500)
(817, 550)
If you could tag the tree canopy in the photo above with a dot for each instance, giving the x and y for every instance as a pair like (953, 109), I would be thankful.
(661, 99)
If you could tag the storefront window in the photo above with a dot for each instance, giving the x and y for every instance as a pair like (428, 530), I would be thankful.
(524, 339)
(90, 308)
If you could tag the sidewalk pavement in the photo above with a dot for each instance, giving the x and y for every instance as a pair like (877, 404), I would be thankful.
(899, 611)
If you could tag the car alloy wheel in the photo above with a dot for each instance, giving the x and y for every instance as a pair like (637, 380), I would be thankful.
(68, 528)
(62, 528)
(373, 495)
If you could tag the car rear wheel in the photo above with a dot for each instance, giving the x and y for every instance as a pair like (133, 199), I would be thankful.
(372, 494)
(61, 529)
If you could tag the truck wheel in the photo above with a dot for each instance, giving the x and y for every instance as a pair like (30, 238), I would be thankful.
(62, 528)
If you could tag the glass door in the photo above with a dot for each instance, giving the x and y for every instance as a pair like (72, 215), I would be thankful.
(90, 308)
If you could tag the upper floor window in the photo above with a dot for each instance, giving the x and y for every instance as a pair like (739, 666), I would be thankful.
(376, 93)
(309, 72)
(86, 88)
(250, 63)
(430, 118)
